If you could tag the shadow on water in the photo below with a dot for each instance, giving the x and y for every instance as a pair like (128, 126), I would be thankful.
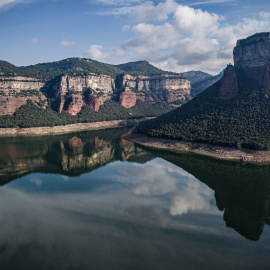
(241, 191)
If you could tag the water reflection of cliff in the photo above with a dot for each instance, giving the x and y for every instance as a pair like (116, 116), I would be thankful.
(70, 155)
(242, 191)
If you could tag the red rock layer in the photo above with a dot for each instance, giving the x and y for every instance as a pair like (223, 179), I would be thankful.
(229, 85)
(93, 103)
(128, 99)
(8, 105)
(75, 105)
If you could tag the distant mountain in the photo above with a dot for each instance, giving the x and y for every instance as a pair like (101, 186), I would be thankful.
(235, 111)
(195, 76)
(199, 86)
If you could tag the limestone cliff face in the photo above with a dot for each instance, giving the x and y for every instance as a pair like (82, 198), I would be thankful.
(253, 51)
(253, 56)
(72, 92)
(168, 88)
(16, 90)
(100, 85)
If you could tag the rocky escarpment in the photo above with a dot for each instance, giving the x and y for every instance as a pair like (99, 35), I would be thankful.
(253, 56)
(16, 90)
(74, 83)
(76, 91)
(150, 89)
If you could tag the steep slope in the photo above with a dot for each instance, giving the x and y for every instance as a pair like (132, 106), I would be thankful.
(195, 76)
(234, 111)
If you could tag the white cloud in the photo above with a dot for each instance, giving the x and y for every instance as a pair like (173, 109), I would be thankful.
(111, 56)
(34, 42)
(211, 2)
(146, 11)
(10, 3)
(119, 2)
(68, 44)
(177, 37)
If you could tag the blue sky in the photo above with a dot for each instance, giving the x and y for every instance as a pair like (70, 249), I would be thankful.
(171, 34)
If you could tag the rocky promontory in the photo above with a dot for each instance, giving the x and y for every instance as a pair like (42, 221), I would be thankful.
(235, 111)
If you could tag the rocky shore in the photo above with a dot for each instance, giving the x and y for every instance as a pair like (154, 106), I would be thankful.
(219, 152)
(39, 131)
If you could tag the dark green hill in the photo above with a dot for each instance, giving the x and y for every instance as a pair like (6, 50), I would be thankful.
(243, 120)
(142, 68)
(80, 66)
(7, 68)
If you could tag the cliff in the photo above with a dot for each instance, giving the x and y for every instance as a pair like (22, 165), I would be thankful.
(253, 56)
(253, 51)
(74, 92)
(74, 83)
(16, 90)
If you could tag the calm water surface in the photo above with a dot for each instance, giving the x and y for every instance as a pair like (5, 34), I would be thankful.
(94, 201)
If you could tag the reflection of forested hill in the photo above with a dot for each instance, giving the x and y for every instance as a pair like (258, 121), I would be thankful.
(243, 192)
(70, 155)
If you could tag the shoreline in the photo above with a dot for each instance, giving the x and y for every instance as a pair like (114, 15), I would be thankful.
(243, 155)
(56, 130)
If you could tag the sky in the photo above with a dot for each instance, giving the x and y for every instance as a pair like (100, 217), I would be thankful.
(171, 34)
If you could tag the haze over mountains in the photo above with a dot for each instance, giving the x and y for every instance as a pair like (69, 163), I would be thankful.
(234, 111)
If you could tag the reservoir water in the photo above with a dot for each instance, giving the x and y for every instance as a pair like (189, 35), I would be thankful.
(92, 200)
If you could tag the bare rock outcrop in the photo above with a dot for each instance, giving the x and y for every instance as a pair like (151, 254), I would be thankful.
(253, 56)
(93, 102)
(253, 51)
(16, 90)
(128, 99)
(229, 84)
(75, 105)
(168, 88)
(100, 84)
